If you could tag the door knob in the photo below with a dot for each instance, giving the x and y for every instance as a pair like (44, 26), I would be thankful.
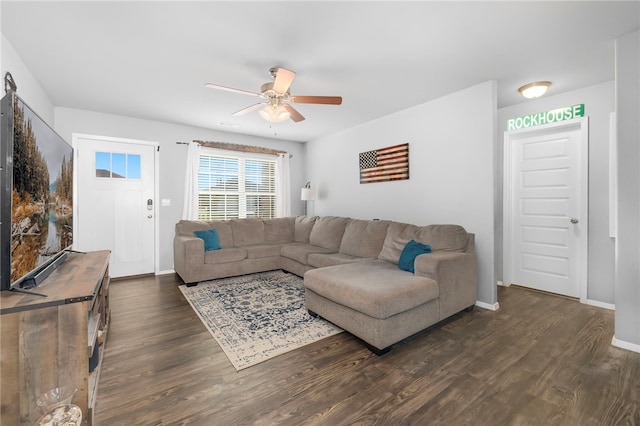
(574, 220)
(150, 216)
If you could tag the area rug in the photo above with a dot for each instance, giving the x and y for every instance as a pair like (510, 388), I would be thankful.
(257, 317)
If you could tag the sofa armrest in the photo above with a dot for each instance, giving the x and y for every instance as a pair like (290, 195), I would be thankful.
(457, 276)
(188, 257)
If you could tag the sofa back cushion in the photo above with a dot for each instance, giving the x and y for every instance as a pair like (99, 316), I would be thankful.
(327, 232)
(364, 238)
(443, 237)
(279, 230)
(303, 227)
(186, 228)
(439, 237)
(247, 231)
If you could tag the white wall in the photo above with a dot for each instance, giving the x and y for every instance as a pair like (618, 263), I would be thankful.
(451, 153)
(29, 88)
(173, 158)
(598, 101)
(627, 278)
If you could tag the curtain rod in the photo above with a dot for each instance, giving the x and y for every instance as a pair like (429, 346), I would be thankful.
(237, 147)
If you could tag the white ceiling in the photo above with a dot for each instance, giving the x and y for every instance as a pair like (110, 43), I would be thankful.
(151, 60)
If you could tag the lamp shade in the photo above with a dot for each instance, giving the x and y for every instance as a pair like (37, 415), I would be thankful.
(308, 194)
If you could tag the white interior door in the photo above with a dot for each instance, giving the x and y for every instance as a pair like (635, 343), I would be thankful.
(546, 182)
(116, 207)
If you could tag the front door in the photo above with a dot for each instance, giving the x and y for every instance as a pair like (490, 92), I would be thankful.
(545, 211)
(116, 207)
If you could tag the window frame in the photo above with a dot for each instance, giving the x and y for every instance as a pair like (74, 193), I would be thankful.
(239, 208)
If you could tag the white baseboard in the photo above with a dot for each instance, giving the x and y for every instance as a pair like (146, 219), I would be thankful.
(598, 304)
(168, 271)
(488, 306)
(625, 345)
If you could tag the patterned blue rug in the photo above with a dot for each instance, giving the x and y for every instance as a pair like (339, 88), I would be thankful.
(257, 317)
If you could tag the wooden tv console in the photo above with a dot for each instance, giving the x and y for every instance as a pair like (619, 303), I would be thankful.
(46, 342)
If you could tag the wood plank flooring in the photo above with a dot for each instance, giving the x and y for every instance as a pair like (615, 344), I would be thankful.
(539, 360)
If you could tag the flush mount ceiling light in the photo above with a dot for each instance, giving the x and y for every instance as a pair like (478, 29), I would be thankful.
(534, 90)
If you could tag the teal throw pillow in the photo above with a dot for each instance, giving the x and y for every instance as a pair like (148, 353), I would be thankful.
(210, 238)
(409, 253)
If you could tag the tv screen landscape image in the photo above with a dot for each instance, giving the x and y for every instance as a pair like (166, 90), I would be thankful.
(38, 185)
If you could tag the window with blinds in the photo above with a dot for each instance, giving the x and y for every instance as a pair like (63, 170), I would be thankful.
(236, 187)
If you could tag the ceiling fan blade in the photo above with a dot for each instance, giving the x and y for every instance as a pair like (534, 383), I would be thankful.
(295, 115)
(283, 80)
(327, 100)
(250, 108)
(231, 89)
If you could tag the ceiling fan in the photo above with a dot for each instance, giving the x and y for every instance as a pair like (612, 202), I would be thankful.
(277, 98)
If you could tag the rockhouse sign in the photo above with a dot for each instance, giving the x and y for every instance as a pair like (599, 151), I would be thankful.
(540, 118)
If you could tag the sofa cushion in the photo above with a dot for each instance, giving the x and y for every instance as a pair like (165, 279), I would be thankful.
(303, 227)
(364, 238)
(247, 231)
(439, 237)
(409, 253)
(187, 227)
(443, 237)
(322, 260)
(327, 232)
(262, 250)
(210, 238)
(300, 252)
(398, 235)
(225, 255)
(279, 230)
(374, 287)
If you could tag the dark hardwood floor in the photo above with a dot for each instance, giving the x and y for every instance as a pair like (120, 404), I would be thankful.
(539, 360)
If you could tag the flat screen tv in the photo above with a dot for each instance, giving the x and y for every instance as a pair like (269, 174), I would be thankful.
(36, 196)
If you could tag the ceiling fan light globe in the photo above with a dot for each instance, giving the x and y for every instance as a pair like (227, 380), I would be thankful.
(283, 115)
(265, 113)
(274, 113)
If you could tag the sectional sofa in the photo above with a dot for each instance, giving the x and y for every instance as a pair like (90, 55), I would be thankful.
(350, 267)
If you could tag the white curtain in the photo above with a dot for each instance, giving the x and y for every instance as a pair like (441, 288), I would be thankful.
(283, 187)
(190, 205)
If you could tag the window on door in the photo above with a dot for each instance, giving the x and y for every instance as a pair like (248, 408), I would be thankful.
(116, 165)
(236, 187)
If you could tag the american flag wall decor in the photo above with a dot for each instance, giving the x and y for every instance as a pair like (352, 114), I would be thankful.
(385, 164)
